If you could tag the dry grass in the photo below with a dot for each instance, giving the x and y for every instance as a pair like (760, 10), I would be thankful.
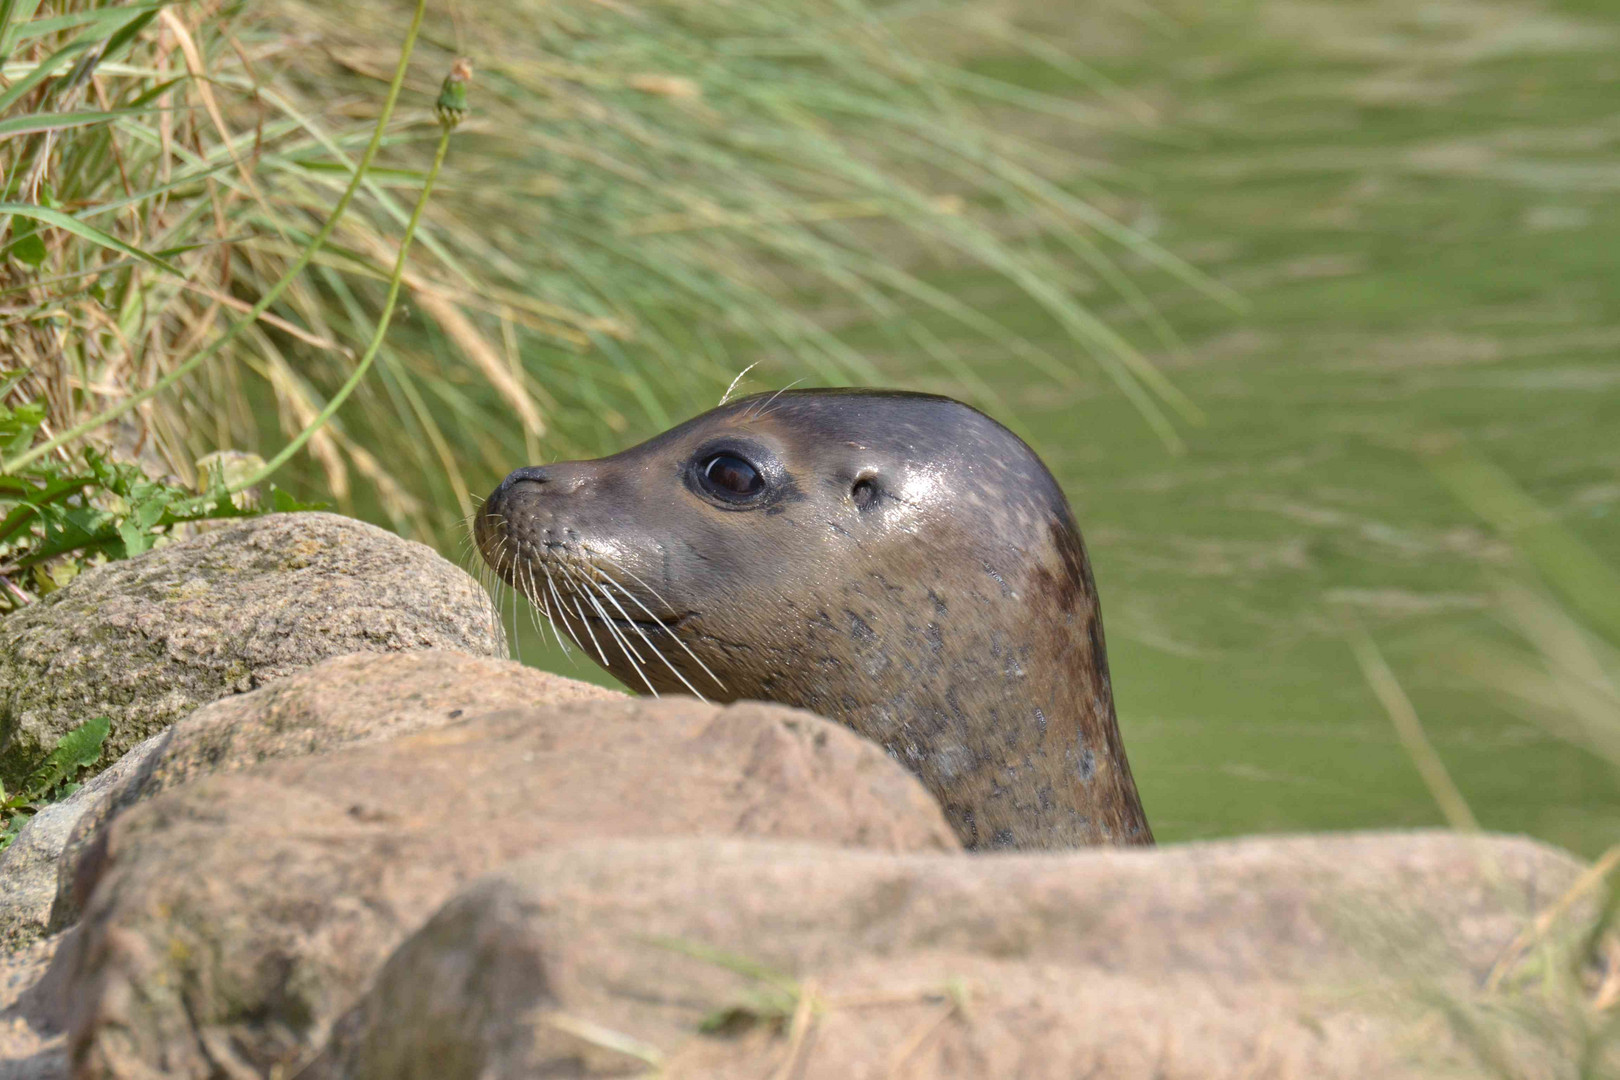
(636, 196)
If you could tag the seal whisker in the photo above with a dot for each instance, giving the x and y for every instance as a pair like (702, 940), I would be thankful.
(592, 633)
(608, 622)
(656, 651)
(561, 611)
(633, 598)
(529, 594)
(537, 598)
(637, 601)
(494, 587)
(624, 646)
(760, 412)
(516, 641)
(562, 608)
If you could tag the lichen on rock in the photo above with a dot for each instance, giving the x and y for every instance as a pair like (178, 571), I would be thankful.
(147, 640)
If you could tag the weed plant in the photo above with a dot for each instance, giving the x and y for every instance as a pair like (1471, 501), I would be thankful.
(637, 196)
(54, 779)
(1551, 1006)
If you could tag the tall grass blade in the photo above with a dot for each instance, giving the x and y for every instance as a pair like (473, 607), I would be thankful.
(58, 219)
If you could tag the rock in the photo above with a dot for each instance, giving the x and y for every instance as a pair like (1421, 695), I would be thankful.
(30, 865)
(231, 920)
(32, 1043)
(147, 640)
(351, 699)
(1315, 957)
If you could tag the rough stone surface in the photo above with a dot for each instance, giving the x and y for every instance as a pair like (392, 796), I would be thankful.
(351, 699)
(1307, 958)
(231, 920)
(32, 1043)
(147, 640)
(30, 865)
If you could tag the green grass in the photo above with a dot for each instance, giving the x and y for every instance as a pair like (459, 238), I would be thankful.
(633, 196)
(1418, 262)
(1418, 204)
(1415, 202)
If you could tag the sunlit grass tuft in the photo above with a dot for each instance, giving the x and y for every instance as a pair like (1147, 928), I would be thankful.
(644, 199)
(1552, 988)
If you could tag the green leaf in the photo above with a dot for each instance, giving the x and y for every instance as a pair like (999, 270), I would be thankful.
(283, 502)
(81, 747)
(150, 511)
(18, 426)
(35, 500)
(126, 33)
(25, 245)
(86, 232)
(76, 750)
(37, 122)
(99, 18)
(136, 540)
(41, 71)
(14, 15)
(158, 91)
(29, 250)
(69, 529)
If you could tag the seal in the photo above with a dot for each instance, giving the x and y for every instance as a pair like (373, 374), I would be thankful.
(897, 562)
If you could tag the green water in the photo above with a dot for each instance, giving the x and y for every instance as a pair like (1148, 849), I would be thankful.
(1418, 202)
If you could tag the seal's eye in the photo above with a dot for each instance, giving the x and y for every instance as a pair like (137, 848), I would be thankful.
(730, 477)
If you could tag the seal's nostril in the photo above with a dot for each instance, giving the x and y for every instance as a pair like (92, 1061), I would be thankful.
(533, 474)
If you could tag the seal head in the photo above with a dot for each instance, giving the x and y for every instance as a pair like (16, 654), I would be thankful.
(897, 562)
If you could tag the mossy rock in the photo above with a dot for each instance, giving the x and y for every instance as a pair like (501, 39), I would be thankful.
(147, 640)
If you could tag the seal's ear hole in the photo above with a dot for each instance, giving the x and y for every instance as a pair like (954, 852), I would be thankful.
(865, 492)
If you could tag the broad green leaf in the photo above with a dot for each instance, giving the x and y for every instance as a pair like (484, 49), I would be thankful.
(151, 510)
(77, 749)
(81, 746)
(284, 502)
(136, 540)
(85, 232)
(29, 249)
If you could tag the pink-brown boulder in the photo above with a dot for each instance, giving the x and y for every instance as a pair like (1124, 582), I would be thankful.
(231, 920)
(1307, 958)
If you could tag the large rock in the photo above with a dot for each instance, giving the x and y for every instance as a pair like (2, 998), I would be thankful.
(351, 699)
(1291, 959)
(231, 920)
(147, 640)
